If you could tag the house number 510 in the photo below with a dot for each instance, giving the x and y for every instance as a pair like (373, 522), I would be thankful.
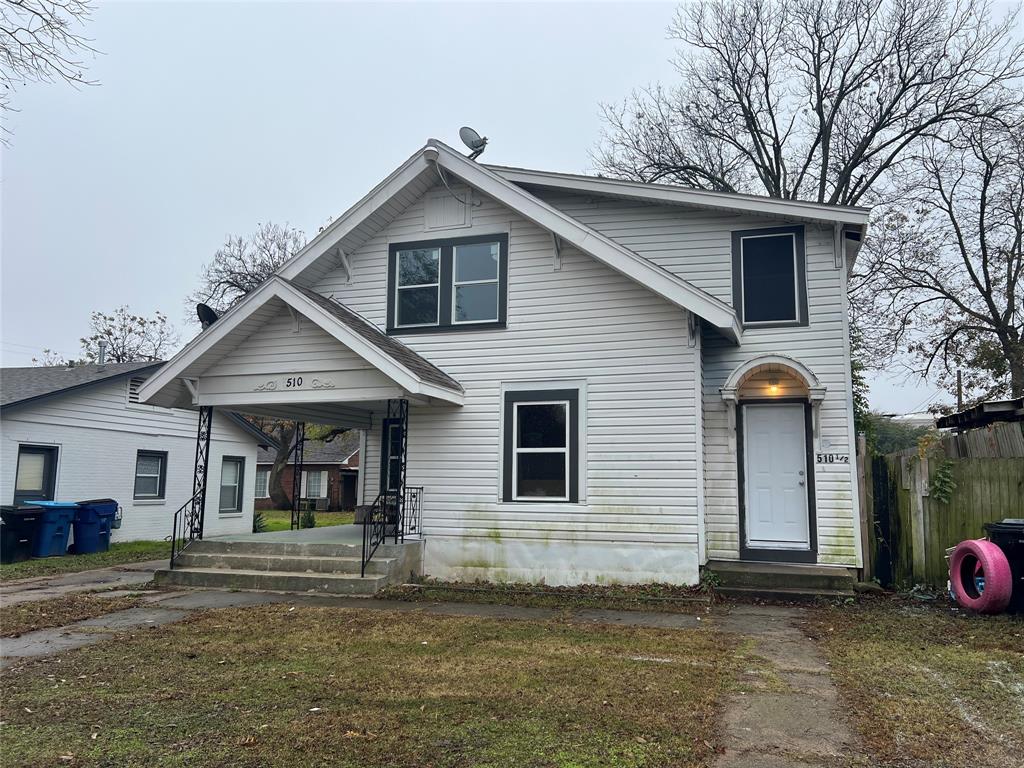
(832, 458)
(293, 381)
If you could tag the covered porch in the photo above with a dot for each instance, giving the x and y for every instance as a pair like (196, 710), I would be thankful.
(287, 353)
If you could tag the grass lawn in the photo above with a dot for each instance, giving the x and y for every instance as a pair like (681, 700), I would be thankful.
(281, 519)
(118, 554)
(928, 686)
(41, 614)
(290, 686)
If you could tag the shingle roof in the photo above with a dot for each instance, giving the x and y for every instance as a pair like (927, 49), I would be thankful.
(20, 385)
(390, 346)
(319, 451)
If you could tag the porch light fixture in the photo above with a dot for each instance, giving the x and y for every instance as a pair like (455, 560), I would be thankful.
(773, 386)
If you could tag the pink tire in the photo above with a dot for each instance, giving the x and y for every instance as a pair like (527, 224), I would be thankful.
(967, 559)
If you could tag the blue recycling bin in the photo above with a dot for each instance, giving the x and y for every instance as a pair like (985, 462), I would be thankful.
(93, 520)
(54, 527)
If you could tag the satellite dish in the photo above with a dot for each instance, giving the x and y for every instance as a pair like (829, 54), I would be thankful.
(207, 316)
(476, 143)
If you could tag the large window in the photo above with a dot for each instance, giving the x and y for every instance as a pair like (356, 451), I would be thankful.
(541, 446)
(769, 285)
(314, 484)
(262, 483)
(453, 284)
(232, 472)
(150, 475)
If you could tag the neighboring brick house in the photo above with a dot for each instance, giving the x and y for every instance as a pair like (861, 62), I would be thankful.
(330, 473)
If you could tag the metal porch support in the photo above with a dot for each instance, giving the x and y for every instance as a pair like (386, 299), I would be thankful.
(398, 410)
(197, 516)
(300, 442)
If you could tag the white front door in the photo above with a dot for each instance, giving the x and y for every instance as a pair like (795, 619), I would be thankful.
(775, 477)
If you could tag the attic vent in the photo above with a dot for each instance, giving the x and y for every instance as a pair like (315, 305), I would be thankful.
(134, 384)
(442, 210)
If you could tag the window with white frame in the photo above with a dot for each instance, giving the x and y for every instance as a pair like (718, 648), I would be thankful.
(150, 475)
(314, 484)
(475, 283)
(541, 432)
(232, 472)
(446, 285)
(769, 285)
(418, 281)
(262, 483)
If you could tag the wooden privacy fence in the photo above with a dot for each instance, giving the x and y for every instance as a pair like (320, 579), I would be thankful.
(907, 528)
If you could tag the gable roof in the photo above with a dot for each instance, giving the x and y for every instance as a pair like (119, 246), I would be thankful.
(24, 385)
(336, 451)
(391, 357)
(422, 170)
(21, 386)
(669, 194)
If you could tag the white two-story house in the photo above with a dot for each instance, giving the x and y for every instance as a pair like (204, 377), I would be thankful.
(591, 380)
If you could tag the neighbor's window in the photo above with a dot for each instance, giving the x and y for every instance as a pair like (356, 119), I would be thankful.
(262, 483)
(541, 446)
(315, 484)
(768, 276)
(448, 284)
(232, 470)
(150, 475)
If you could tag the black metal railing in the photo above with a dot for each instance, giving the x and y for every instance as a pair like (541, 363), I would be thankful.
(411, 509)
(393, 515)
(188, 524)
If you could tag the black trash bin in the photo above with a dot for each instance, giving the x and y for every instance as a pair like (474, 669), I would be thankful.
(18, 529)
(1009, 537)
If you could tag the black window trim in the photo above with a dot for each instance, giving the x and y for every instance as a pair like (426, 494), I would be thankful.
(572, 396)
(240, 497)
(446, 280)
(162, 486)
(800, 264)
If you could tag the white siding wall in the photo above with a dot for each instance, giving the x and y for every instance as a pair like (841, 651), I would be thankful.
(638, 516)
(98, 436)
(696, 245)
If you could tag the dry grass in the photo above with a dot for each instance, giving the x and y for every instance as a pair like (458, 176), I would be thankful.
(927, 686)
(290, 686)
(42, 614)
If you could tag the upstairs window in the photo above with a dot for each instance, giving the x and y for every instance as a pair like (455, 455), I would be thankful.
(447, 285)
(769, 283)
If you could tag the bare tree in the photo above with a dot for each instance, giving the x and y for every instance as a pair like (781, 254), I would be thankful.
(42, 40)
(823, 100)
(242, 264)
(129, 338)
(943, 277)
(50, 359)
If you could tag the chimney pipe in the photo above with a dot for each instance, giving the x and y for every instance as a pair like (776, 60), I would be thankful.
(102, 359)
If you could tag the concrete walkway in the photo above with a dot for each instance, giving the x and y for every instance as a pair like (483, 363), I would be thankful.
(800, 727)
(46, 587)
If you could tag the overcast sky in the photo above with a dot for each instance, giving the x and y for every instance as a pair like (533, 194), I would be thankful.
(210, 118)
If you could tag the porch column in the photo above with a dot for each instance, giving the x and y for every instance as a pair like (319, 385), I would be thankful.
(197, 514)
(300, 442)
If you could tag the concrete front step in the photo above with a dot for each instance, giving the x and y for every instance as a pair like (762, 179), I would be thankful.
(294, 549)
(792, 594)
(247, 561)
(784, 578)
(276, 581)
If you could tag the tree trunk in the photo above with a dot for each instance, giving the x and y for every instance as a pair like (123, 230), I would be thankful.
(285, 436)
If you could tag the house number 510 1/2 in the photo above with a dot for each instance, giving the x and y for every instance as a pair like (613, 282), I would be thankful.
(293, 381)
(832, 458)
